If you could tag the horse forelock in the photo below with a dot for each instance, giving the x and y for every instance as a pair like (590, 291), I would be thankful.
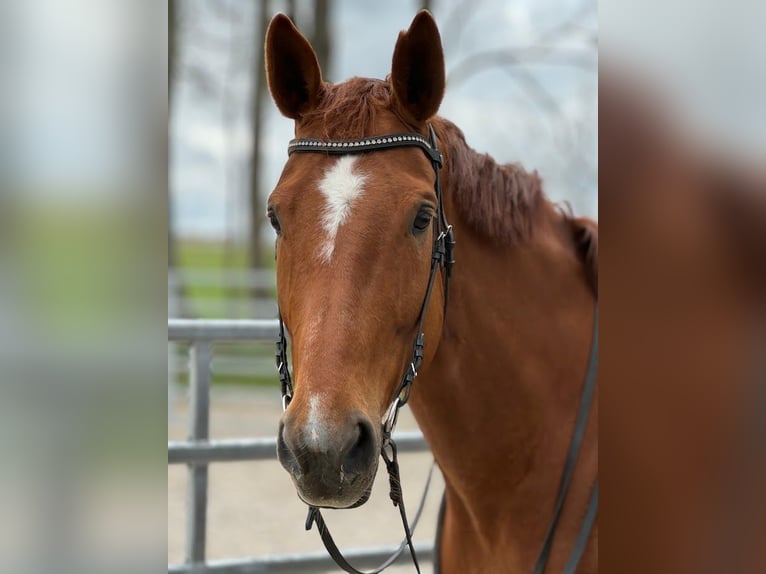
(348, 110)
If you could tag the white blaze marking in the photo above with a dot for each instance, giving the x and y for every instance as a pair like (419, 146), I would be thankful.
(340, 187)
(315, 423)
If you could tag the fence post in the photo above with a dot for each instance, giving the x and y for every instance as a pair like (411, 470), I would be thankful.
(199, 417)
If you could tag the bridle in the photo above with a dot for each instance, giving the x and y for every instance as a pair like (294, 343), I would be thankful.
(442, 257)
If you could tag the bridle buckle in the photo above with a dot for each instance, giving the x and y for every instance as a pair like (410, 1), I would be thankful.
(391, 417)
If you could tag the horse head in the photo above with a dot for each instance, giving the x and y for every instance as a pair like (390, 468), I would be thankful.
(355, 237)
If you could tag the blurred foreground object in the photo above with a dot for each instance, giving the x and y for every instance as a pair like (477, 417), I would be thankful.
(82, 286)
(683, 331)
(682, 142)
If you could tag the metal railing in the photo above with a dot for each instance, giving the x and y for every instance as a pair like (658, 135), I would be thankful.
(221, 292)
(198, 451)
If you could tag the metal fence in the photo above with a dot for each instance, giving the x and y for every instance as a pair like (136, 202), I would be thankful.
(207, 292)
(199, 451)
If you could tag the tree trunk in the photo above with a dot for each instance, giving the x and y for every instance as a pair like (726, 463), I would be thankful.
(176, 302)
(258, 254)
(321, 37)
(172, 39)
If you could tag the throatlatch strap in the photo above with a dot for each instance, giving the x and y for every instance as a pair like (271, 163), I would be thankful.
(574, 450)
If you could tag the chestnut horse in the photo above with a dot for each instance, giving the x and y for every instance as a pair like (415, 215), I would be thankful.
(503, 366)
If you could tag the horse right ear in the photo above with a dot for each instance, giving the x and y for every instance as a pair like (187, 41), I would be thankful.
(417, 70)
(292, 69)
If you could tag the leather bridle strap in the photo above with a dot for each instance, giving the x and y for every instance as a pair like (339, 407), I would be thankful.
(441, 257)
(285, 380)
(581, 421)
(375, 143)
(584, 535)
(332, 549)
(590, 514)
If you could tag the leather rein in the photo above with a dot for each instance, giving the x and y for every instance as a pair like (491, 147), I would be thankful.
(442, 257)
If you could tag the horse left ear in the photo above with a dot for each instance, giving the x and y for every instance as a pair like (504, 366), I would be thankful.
(292, 70)
(417, 70)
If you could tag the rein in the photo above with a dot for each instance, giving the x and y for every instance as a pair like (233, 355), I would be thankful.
(575, 443)
(581, 421)
(441, 258)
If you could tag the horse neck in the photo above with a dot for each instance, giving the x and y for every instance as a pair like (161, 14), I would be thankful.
(497, 403)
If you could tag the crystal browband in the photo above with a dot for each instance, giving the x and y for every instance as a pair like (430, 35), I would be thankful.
(363, 145)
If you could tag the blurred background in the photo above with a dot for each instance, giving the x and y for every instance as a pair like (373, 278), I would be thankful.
(522, 85)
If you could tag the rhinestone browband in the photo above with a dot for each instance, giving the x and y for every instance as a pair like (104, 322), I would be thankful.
(363, 145)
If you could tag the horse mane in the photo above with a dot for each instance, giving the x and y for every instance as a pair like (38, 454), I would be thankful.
(497, 201)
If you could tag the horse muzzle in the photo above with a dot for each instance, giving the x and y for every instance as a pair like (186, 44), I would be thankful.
(332, 466)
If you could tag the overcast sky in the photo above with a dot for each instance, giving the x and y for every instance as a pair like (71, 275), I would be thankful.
(541, 113)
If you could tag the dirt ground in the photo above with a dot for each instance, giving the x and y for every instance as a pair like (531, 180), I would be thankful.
(252, 506)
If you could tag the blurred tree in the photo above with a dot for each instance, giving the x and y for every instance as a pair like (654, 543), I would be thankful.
(290, 9)
(320, 39)
(566, 44)
(258, 253)
(172, 39)
(176, 302)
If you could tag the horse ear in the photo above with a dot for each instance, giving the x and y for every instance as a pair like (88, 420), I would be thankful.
(417, 70)
(292, 70)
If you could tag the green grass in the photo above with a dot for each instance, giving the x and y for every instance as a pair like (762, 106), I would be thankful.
(210, 255)
(218, 301)
(202, 254)
(235, 380)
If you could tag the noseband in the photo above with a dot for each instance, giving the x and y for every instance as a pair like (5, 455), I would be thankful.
(442, 254)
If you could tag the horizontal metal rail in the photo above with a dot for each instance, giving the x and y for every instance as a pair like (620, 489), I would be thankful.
(304, 562)
(222, 329)
(199, 451)
(230, 450)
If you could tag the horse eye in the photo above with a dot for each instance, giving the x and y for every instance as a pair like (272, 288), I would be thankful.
(274, 220)
(422, 221)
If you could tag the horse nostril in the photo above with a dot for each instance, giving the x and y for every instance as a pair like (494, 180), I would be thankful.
(285, 453)
(362, 453)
